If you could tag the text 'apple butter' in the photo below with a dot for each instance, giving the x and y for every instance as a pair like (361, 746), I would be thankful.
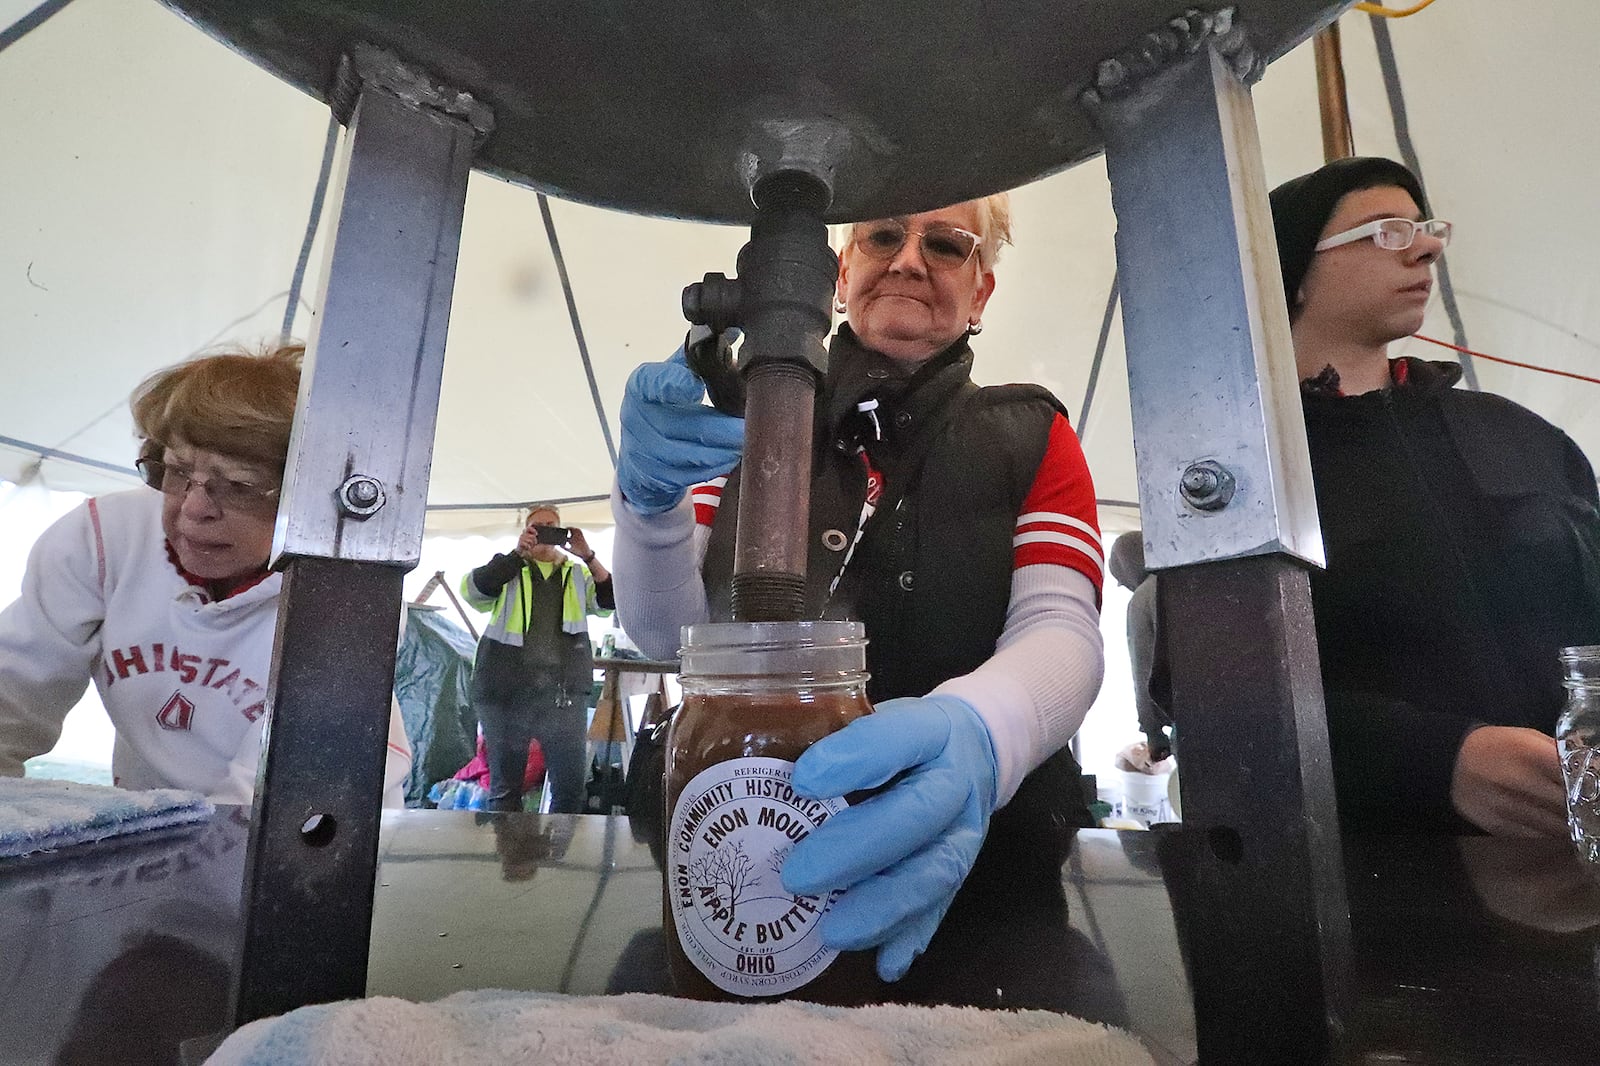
(755, 695)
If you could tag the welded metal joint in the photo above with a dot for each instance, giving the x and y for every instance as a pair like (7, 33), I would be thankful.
(375, 361)
(779, 147)
(367, 65)
(1207, 485)
(1181, 37)
(361, 496)
(1183, 158)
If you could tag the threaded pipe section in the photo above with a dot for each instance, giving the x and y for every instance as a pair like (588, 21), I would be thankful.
(769, 597)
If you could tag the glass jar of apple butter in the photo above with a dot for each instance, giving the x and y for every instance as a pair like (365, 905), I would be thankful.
(755, 695)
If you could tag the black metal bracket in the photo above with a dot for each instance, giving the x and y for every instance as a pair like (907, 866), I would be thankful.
(1256, 875)
(313, 848)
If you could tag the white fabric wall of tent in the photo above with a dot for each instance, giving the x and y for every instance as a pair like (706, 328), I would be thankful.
(157, 190)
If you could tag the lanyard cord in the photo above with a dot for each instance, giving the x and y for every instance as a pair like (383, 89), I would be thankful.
(907, 473)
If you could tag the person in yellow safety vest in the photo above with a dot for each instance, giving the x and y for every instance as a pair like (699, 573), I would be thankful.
(535, 665)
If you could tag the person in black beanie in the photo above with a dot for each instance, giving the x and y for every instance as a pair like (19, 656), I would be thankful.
(1462, 530)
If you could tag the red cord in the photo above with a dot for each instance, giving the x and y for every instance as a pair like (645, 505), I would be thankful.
(1507, 362)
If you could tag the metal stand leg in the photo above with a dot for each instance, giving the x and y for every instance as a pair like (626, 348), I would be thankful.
(349, 528)
(1230, 521)
(1256, 877)
(314, 836)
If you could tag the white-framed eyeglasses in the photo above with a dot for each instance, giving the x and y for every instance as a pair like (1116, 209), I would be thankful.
(943, 247)
(1394, 234)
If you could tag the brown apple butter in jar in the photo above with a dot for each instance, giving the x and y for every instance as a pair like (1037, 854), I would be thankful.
(755, 695)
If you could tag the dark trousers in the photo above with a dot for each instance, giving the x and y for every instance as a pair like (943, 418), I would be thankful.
(541, 708)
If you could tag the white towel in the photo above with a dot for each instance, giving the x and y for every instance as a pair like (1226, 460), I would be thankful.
(37, 814)
(510, 1028)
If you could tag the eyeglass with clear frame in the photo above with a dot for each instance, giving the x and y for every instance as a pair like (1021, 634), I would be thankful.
(943, 247)
(227, 494)
(1392, 234)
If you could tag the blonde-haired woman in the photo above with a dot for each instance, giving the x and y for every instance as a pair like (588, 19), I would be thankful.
(958, 524)
(164, 599)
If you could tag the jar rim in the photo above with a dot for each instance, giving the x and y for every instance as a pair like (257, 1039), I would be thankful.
(823, 631)
(747, 649)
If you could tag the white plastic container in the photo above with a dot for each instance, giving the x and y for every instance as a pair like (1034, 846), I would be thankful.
(1144, 797)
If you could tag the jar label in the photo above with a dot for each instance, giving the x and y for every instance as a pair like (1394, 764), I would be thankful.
(732, 828)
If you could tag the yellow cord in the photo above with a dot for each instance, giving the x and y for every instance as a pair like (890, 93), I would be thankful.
(1392, 13)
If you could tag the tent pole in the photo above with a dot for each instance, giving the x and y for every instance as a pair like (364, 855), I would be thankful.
(1333, 103)
(330, 144)
(1099, 358)
(1384, 43)
(1230, 521)
(349, 527)
(577, 325)
(30, 22)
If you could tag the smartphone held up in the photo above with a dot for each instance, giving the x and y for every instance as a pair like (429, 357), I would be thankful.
(560, 536)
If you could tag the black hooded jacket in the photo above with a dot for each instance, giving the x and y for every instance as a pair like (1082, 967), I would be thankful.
(1463, 547)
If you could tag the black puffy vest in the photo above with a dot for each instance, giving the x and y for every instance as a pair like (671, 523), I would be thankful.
(932, 579)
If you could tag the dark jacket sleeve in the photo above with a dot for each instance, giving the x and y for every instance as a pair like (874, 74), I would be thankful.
(1393, 763)
(492, 576)
(1580, 473)
(604, 594)
(1153, 717)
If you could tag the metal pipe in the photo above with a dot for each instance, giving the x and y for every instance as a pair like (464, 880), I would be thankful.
(1333, 103)
(787, 273)
(769, 551)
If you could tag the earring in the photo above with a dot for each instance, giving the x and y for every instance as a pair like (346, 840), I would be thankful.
(839, 308)
(974, 328)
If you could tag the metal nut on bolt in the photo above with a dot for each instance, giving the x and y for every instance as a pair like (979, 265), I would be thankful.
(1207, 485)
(360, 496)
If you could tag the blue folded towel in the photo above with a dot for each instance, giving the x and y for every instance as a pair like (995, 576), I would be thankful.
(42, 815)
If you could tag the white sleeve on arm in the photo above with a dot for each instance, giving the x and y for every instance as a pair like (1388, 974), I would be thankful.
(238, 784)
(655, 571)
(1033, 692)
(49, 639)
(397, 764)
(397, 759)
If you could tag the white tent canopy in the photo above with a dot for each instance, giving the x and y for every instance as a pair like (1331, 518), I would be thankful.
(157, 190)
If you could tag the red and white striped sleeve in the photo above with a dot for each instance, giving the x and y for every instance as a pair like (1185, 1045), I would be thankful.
(1059, 524)
(706, 499)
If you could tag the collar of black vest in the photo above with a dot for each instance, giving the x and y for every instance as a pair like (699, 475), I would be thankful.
(857, 373)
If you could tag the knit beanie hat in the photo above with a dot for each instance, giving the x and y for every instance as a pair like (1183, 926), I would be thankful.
(1302, 206)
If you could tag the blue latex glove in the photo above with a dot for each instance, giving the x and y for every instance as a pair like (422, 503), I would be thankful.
(670, 440)
(902, 854)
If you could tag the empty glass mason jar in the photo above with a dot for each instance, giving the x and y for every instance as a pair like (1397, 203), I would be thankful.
(1578, 742)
